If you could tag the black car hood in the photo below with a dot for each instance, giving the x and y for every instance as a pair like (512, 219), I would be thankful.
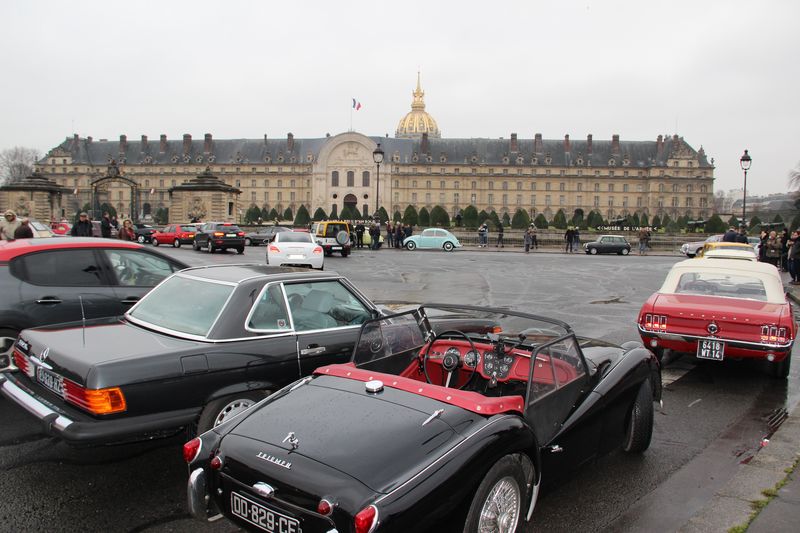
(378, 439)
(76, 350)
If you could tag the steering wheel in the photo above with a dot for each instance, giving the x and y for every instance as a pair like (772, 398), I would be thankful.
(450, 363)
(702, 285)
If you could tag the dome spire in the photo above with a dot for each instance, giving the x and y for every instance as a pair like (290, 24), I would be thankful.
(419, 96)
(417, 122)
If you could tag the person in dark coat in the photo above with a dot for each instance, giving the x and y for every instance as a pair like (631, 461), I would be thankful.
(105, 226)
(742, 235)
(399, 236)
(794, 258)
(83, 227)
(389, 235)
(127, 233)
(730, 235)
(24, 231)
(360, 235)
(500, 243)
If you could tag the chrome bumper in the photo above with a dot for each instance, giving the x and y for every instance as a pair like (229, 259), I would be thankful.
(197, 495)
(730, 342)
(53, 419)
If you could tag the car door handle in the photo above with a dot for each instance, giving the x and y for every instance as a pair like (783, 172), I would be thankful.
(316, 350)
(48, 300)
(130, 300)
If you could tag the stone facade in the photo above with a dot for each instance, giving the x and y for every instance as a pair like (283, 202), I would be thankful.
(34, 197)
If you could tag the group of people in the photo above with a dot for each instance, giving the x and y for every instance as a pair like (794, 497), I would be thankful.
(572, 240)
(396, 234)
(782, 250)
(483, 236)
(12, 227)
(108, 227)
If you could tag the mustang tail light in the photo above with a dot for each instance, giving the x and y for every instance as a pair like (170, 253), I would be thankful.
(97, 401)
(655, 322)
(366, 520)
(273, 248)
(772, 334)
(219, 234)
(22, 363)
(192, 449)
(325, 507)
(317, 250)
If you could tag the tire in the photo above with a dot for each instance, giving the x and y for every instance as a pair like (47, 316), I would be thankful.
(781, 370)
(209, 247)
(194, 246)
(345, 253)
(155, 242)
(248, 242)
(448, 246)
(176, 243)
(593, 251)
(504, 489)
(140, 239)
(624, 251)
(240, 250)
(225, 408)
(639, 430)
(411, 245)
(8, 337)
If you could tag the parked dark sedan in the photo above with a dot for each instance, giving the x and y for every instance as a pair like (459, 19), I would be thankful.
(213, 236)
(144, 233)
(204, 345)
(423, 429)
(46, 281)
(608, 244)
(263, 235)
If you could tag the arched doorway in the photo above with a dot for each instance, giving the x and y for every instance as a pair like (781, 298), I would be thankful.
(351, 201)
(99, 196)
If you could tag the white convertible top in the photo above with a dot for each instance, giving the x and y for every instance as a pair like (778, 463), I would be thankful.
(764, 272)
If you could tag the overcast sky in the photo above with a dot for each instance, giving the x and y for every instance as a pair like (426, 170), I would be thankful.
(722, 74)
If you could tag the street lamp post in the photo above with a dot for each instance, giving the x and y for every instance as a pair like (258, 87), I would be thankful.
(377, 156)
(745, 161)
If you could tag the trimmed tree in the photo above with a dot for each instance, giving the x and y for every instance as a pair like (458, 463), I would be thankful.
(382, 214)
(424, 218)
(470, 217)
(506, 219)
(439, 217)
(397, 217)
(644, 221)
(273, 215)
(732, 222)
(755, 222)
(521, 219)
(715, 224)
(347, 213)
(161, 215)
(540, 222)
(560, 220)
(494, 218)
(106, 208)
(252, 214)
(302, 218)
(319, 214)
(410, 216)
(578, 218)
(335, 212)
(635, 220)
(483, 216)
(656, 221)
(264, 213)
(795, 223)
(288, 215)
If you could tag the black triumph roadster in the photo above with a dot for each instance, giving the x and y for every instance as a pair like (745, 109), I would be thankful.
(460, 422)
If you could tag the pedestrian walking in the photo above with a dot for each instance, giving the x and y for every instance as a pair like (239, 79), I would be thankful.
(576, 240)
(500, 243)
(730, 235)
(399, 236)
(534, 239)
(127, 233)
(483, 235)
(568, 240)
(527, 240)
(741, 237)
(389, 235)
(83, 227)
(24, 231)
(407, 231)
(643, 236)
(773, 249)
(105, 226)
(9, 225)
(794, 258)
(784, 260)
(762, 249)
(360, 229)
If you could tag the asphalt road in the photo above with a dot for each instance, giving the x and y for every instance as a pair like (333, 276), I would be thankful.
(713, 417)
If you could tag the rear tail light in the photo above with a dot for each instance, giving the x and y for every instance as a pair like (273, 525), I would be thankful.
(273, 248)
(240, 234)
(216, 462)
(772, 334)
(655, 322)
(318, 250)
(22, 363)
(325, 507)
(219, 234)
(192, 449)
(366, 520)
(97, 401)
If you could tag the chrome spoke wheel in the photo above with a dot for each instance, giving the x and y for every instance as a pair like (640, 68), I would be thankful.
(232, 409)
(6, 349)
(501, 510)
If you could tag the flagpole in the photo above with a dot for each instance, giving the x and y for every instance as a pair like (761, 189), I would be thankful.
(351, 118)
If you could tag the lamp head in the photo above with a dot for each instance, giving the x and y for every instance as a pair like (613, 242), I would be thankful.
(745, 161)
(377, 154)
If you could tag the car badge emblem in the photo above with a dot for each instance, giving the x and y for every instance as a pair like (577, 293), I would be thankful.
(292, 440)
(264, 490)
(713, 328)
(274, 460)
(44, 354)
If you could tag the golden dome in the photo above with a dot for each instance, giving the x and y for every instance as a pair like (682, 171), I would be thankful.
(417, 122)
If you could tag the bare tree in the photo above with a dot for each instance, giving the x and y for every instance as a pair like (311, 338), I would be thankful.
(17, 163)
(794, 177)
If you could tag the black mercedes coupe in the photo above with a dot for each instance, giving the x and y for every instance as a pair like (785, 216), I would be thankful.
(456, 423)
(204, 344)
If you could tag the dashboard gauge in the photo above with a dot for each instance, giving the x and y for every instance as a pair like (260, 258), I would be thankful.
(472, 358)
(454, 352)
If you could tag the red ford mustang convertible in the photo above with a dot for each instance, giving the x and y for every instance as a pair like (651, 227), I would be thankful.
(721, 309)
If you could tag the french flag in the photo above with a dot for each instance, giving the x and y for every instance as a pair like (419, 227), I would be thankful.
(356, 104)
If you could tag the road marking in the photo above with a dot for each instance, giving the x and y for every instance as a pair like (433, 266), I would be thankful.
(695, 402)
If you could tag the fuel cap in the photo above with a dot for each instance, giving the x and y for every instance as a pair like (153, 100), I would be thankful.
(374, 386)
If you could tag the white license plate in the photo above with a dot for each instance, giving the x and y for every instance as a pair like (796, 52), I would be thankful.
(296, 256)
(261, 516)
(710, 349)
(50, 381)
(231, 235)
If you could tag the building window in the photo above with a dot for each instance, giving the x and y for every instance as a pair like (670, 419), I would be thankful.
(596, 187)
(638, 201)
(624, 187)
(414, 184)
(253, 183)
(266, 197)
(253, 196)
(428, 184)
(610, 201)
(505, 185)
(280, 183)
(351, 178)
(334, 178)
(562, 186)
(660, 187)
(533, 185)
(473, 198)
(456, 184)
(547, 200)
(610, 187)
(491, 199)
(396, 197)
(533, 199)
(579, 201)
(547, 186)
(579, 186)
(675, 201)
(491, 185)
(457, 171)
(474, 185)
(455, 198)
(688, 202)
(441, 184)
(675, 187)
(505, 200)
(596, 201)
(414, 198)
(519, 185)
(427, 198)
(280, 196)
(689, 188)
(519, 200)
(441, 198)
(624, 201)
(562, 199)
(365, 179)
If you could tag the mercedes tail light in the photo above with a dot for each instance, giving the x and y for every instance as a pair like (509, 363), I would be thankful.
(770, 334)
(655, 322)
(192, 449)
(22, 363)
(366, 520)
(240, 234)
(96, 401)
(317, 250)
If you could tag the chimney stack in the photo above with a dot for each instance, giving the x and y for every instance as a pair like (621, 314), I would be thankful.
(567, 146)
(123, 144)
(615, 145)
(162, 146)
(144, 143)
(207, 144)
(514, 145)
(89, 139)
(589, 144)
(537, 143)
(424, 148)
(187, 144)
(659, 147)
(289, 142)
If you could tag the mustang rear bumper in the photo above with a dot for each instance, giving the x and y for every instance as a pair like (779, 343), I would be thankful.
(735, 349)
(94, 431)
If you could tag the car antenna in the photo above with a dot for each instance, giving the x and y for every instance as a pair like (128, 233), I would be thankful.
(83, 321)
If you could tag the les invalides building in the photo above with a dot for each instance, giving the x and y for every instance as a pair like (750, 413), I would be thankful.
(220, 179)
